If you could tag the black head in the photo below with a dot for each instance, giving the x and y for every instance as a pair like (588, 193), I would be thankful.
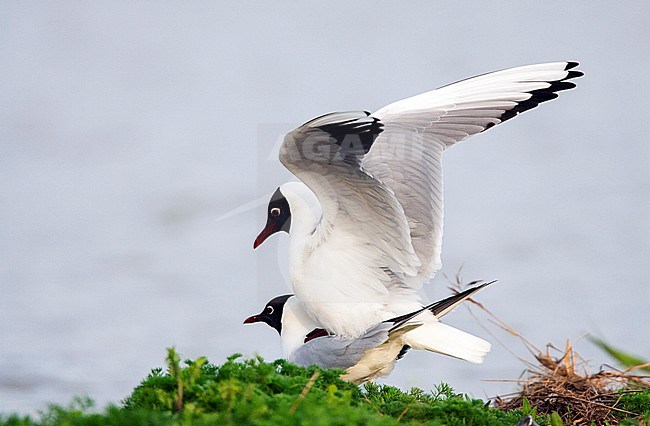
(278, 218)
(272, 313)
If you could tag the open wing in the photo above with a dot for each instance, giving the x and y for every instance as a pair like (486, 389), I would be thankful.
(362, 220)
(407, 155)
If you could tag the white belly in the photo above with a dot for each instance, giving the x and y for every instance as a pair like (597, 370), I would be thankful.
(344, 296)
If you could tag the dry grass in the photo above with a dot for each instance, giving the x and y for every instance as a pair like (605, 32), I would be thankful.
(559, 381)
(563, 384)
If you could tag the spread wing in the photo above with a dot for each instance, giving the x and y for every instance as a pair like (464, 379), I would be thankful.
(363, 224)
(407, 155)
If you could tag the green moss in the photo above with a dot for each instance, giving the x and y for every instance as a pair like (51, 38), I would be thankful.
(254, 392)
(635, 401)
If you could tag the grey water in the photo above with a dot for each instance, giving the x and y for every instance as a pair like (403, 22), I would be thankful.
(136, 156)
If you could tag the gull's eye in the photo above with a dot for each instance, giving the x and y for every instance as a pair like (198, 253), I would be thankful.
(275, 212)
(270, 310)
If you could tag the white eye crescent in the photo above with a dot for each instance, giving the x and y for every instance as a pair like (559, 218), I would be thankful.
(270, 309)
(275, 212)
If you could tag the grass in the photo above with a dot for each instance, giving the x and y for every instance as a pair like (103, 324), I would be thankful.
(625, 359)
(564, 386)
(254, 392)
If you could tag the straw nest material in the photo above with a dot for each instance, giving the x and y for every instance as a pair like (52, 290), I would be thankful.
(560, 382)
(563, 384)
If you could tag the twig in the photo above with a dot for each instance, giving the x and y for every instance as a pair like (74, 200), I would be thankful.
(304, 392)
(598, 403)
(406, 410)
(637, 367)
(179, 395)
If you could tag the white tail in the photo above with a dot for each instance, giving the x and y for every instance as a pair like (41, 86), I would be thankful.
(437, 337)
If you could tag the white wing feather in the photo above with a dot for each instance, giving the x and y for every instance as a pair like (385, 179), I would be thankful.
(380, 235)
(407, 156)
(361, 217)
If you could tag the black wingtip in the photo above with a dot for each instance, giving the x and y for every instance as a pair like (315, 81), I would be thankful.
(440, 305)
(354, 131)
(403, 351)
(479, 286)
(543, 95)
(574, 74)
(563, 85)
(570, 65)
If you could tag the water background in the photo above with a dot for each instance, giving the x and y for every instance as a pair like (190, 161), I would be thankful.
(127, 131)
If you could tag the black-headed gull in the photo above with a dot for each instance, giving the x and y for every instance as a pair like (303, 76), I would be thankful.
(375, 353)
(366, 220)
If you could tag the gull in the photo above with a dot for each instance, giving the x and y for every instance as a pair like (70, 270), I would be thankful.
(375, 353)
(365, 220)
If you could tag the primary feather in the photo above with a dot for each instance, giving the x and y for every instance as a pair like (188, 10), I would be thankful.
(367, 232)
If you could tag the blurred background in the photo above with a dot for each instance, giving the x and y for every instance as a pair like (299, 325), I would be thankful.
(137, 156)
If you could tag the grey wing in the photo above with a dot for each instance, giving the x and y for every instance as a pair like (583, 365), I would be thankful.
(333, 352)
(359, 210)
(407, 156)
